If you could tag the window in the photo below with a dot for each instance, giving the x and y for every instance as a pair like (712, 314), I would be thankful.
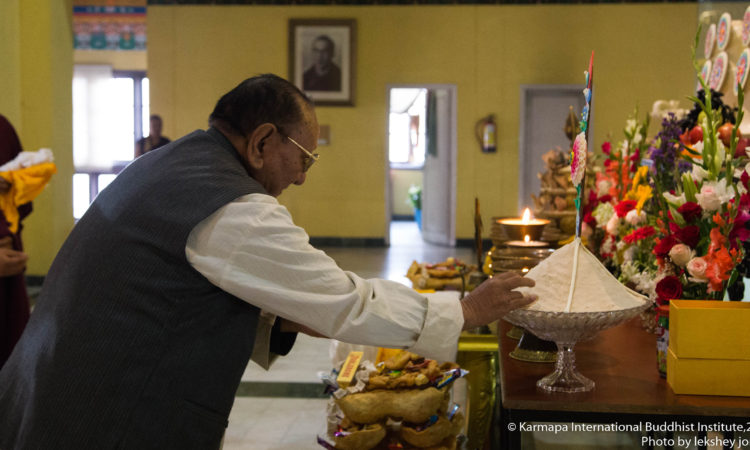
(110, 113)
(406, 127)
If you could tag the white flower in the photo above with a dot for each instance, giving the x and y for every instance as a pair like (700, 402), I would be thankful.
(603, 186)
(608, 246)
(602, 213)
(634, 218)
(676, 200)
(637, 138)
(698, 147)
(629, 254)
(713, 194)
(645, 283)
(681, 254)
(630, 125)
(726, 191)
(628, 271)
(612, 225)
(699, 173)
(721, 151)
(708, 198)
(624, 147)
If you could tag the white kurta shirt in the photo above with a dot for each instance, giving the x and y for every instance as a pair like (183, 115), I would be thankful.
(251, 249)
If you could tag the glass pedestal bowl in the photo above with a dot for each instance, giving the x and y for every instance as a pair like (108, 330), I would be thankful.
(566, 329)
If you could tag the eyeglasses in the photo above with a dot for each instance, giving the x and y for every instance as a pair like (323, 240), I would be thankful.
(310, 157)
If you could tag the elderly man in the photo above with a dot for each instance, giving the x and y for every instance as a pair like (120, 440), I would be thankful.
(183, 269)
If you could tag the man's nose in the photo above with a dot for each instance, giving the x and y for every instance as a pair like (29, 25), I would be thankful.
(301, 178)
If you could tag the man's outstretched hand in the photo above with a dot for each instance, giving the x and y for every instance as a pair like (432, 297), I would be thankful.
(495, 298)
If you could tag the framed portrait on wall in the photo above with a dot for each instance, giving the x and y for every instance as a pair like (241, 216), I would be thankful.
(321, 59)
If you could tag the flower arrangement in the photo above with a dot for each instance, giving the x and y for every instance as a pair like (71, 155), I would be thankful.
(705, 222)
(619, 220)
(669, 216)
(414, 196)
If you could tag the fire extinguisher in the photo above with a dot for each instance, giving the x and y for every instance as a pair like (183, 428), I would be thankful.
(486, 132)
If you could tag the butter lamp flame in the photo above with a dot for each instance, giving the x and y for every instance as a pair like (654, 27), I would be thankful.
(524, 228)
(526, 216)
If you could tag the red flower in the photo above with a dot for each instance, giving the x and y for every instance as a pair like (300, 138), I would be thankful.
(589, 219)
(624, 207)
(639, 234)
(665, 244)
(739, 228)
(668, 288)
(690, 211)
(606, 148)
(688, 235)
(606, 198)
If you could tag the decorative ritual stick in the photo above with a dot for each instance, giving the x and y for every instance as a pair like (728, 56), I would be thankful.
(580, 148)
(578, 171)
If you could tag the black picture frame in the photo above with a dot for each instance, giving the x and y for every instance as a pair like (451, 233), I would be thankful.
(322, 55)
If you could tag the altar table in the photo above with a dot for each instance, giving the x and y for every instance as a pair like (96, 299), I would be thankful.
(629, 390)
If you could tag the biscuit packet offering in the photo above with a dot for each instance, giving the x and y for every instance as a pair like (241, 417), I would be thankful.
(403, 400)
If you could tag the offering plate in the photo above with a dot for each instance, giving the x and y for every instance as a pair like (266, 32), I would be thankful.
(566, 329)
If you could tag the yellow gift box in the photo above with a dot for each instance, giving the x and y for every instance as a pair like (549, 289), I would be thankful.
(709, 348)
(708, 376)
(709, 329)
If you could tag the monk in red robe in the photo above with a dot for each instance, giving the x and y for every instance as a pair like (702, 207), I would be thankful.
(14, 302)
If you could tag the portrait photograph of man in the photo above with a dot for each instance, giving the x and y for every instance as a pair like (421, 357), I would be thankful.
(323, 74)
(321, 54)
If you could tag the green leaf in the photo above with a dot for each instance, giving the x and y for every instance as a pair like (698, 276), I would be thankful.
(677, 216)
(689, 188)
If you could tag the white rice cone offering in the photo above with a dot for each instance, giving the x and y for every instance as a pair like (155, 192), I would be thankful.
(573, 280)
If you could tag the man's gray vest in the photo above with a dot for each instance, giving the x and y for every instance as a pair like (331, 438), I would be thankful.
(129, 347)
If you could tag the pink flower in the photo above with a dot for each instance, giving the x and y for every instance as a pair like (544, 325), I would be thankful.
(613, 224)
(586, 230)
(578, 162)
(696, 267)
(681, 254)
(634, 218)
(709, 198)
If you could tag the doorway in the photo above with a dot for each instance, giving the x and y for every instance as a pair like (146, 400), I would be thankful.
(542, 105)
(421, 154)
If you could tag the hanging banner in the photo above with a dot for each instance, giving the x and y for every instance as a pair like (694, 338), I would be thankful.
(101, 25)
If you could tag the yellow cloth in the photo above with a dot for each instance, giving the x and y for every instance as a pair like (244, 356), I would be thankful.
(26, 184)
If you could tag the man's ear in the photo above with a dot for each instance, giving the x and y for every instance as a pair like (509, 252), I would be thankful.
(254, 153)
